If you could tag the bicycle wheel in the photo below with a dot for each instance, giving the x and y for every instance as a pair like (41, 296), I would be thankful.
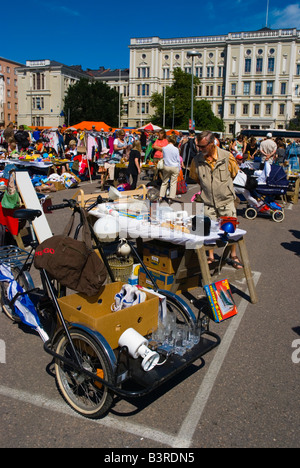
(84, 394)
(182, 313)
(24, 282)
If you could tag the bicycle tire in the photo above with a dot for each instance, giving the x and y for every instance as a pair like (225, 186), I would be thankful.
(86, 396)
(175, 304)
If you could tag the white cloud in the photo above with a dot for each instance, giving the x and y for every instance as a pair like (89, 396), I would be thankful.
(288, 17)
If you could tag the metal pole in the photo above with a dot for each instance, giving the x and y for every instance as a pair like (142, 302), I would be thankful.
(192, 95)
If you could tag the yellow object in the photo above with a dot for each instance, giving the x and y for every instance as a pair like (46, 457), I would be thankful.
(95, 312)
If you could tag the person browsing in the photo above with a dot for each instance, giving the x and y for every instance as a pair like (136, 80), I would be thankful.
(171, 158)
(214, 169)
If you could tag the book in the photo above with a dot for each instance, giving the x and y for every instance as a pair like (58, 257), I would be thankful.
(221, 301)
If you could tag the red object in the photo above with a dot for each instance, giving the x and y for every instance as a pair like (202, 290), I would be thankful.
(228, 219)
(6, 219)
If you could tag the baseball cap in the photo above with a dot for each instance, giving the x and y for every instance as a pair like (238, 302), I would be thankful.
(269, 135)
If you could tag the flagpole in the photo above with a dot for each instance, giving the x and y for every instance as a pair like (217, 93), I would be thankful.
(267, 16)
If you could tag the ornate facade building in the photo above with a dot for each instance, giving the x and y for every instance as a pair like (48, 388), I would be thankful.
(252, 79)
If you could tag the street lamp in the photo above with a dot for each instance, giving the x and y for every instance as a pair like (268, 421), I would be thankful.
(192, 53)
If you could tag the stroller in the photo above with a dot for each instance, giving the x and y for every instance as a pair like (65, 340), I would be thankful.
(276, 184)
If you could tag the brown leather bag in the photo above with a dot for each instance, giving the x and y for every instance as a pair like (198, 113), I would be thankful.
(73, 263)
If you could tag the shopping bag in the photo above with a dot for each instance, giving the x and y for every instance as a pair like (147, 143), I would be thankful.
(181, 184)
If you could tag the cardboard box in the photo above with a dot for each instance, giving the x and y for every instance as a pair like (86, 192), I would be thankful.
(57, 185)
(165, 281)
(163, 257)
(96, 313)
(166, 257)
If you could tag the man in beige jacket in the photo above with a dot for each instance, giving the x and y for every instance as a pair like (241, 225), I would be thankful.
(214, 169)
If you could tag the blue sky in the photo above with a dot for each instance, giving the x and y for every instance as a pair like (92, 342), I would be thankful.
(97, 33)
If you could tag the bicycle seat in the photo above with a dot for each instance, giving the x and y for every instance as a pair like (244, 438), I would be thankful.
(27, 214)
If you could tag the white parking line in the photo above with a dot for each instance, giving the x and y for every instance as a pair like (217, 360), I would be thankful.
(113, 423)
(192, 419)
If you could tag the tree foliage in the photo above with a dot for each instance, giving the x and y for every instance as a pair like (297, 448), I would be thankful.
(295, 123)
(177, 102)
(92, 102)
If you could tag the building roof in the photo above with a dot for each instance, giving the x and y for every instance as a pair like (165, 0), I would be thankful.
(107, 73)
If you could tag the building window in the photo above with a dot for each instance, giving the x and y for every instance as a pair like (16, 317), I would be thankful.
(221, 72)
(247, 88)
(210, 72)
(166, 73)
(271, 64)
(298, 69)
(209, 90)
(198, 72)
(259, 65)
(283, 88)
(248, 65)
(38, 81)
(258, 88)
(220, 109)
(268, 109)
(232, 109)
(188, 70)
(143, 72)
(143, 90)
(245, 109)
(256, 109)
(281, 109)
(270, 87)
(199, 90)
(233, 89)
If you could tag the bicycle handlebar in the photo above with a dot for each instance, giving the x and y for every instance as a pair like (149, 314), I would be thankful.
(73, 204)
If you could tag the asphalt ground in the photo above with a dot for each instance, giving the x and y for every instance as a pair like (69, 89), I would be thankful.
(244, 393)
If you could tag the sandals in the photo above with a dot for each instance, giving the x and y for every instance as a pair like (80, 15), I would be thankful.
(235, 262)
(210, 260)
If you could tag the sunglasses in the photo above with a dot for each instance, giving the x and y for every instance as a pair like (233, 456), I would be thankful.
(203, 146)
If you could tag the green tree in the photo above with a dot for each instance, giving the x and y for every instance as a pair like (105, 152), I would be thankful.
(93, 102)
(205, 118)
(295, 123)
(178, 100)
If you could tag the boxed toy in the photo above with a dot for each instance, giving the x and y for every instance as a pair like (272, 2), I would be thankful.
(221, 301)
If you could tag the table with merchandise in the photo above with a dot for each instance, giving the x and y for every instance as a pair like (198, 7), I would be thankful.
(131, 222)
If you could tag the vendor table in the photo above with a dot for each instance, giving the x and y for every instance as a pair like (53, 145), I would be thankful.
(42, 166)
(140, 230)
(293, 190)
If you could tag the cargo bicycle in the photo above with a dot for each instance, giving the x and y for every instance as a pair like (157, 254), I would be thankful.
(91, 366)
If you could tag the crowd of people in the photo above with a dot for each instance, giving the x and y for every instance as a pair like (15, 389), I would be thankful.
(171, 154)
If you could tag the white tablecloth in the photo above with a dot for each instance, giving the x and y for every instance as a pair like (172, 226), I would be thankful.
(131, 228)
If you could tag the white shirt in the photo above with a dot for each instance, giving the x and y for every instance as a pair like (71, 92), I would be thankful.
(171, 155)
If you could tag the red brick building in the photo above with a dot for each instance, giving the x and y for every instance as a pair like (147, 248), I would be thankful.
(8, 91)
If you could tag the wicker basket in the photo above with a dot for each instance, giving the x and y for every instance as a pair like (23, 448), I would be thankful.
(121, 267)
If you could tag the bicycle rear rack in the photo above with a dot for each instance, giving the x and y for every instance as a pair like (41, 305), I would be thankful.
(14, 256)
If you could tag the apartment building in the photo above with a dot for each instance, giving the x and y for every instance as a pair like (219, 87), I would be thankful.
(252, 79)
(8, 91)
(42, 88)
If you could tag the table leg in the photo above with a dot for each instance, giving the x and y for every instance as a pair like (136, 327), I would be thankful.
(206, 277)
(247, 270)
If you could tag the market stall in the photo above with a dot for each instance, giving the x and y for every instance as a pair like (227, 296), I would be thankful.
(137, 220)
